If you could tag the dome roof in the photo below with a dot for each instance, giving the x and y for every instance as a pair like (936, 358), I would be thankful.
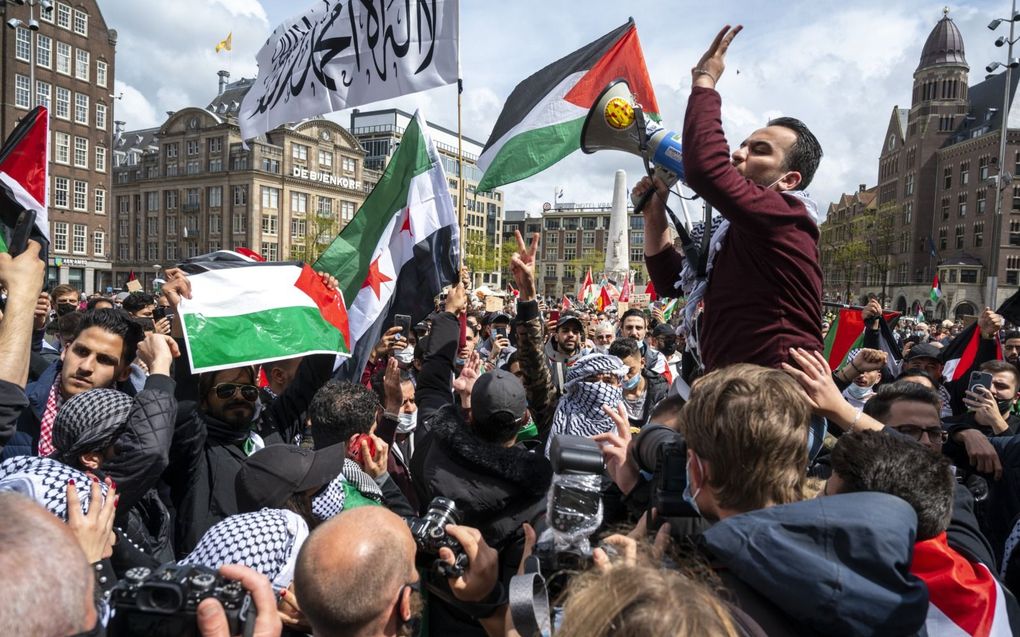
(943, 46)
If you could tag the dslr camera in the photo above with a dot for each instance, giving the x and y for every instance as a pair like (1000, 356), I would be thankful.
(164, 602)
(662, 452)
(429, 532)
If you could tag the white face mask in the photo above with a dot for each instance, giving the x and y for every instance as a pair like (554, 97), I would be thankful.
(857, 391)
(406, 423)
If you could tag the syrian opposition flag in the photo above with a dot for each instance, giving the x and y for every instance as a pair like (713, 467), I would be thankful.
(401, 248)
(541, 121)
(23, 175)
(964, 597)
(247, 313)
(936, 289)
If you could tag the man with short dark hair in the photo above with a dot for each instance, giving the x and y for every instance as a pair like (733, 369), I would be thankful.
(876, 461)
(767, 241)
(642, 387)
(139, 304)
(1011, 348)
(564, 347)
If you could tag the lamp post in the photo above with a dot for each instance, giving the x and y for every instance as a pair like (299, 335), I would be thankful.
(1003, 179)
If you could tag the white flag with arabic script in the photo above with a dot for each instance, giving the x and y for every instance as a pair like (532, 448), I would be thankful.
(341, 53)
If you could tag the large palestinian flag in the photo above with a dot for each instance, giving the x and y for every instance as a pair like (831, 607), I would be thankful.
(541, 121)
(402, 246)
(23, 174)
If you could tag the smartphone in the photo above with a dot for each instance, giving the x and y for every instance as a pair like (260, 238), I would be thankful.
(354, 449)
(22, 232)
(500, 331)
(403, 321)
(983, 379)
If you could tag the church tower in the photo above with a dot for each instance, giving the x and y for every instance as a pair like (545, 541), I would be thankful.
(939, 100)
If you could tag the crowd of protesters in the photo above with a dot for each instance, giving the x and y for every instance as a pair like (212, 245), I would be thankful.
(742, 485)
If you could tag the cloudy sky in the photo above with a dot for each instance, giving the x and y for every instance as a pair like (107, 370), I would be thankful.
(841, 67)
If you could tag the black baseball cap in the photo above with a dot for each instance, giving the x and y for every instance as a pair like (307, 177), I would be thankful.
(569, 318)
(924, 350)
(496, 317)
(496, 392)
(271, 475)
(664, 329)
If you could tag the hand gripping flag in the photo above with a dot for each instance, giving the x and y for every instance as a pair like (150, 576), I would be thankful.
(23, 175)
(541, 121)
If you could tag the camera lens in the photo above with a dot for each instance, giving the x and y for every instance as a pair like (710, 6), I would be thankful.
(160, 598)
(648, 445)
(443, 511)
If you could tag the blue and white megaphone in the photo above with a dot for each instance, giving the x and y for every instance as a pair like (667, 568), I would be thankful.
(617, 122)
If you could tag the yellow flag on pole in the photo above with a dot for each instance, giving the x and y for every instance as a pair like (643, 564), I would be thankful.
(225, 43)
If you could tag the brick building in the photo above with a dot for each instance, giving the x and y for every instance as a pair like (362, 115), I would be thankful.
(61, 56)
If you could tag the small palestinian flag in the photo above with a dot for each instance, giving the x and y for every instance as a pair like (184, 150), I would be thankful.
(936, 289)
(541, 121)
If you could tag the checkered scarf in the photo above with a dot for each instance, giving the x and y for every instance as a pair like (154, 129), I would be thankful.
(53, 403)
(331, 500)
(89, 421)
(361, 480)
(45, 481)
(267, 541)
(579, 412)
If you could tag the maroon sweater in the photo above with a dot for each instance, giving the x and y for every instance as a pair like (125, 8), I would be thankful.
(765, 290)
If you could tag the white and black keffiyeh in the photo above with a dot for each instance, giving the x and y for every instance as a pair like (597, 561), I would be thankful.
(89, 421)
(579, 412)
(267, 541)
(361, 480)
(45, 481)
(330, 501)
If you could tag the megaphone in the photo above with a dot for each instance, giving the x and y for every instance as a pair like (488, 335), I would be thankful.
(617, 122)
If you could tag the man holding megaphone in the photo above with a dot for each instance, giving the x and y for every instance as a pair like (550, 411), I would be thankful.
(763, 290)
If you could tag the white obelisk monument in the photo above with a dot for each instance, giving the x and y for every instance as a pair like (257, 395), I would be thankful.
(618, 248)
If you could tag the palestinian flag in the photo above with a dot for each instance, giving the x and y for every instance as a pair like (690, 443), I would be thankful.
(247, 313)
(625, 290)
(964, 597)
(566, 305)
(936, 289)
(541, 121)
(23, 175)
(959, 356)
(669, 308)
(845, 333)
(650, 291)
(587, 293)
(402, 246)
(920, 314)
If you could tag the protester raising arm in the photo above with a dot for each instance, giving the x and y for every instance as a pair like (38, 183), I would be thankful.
(813, 375)
(22, 277)
(433, 389)
(989, 324)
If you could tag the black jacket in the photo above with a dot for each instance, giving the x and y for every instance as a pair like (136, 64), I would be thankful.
(208, 453)
(656, 389)
(12, 402)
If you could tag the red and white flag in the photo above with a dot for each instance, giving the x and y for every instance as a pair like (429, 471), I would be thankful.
(964, 597)
(566, 304)
(650, 291)
(587, 293)
(23, 170)
(625, 291)
(959, 355)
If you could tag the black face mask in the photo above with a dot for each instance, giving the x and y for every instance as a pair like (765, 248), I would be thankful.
(668, 345)
(1003, 405)
(66, 308)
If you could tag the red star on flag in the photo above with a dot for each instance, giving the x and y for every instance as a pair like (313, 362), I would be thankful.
(407, 223)
(375, 277)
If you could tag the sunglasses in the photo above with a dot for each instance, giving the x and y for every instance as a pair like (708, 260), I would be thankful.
(226, 390)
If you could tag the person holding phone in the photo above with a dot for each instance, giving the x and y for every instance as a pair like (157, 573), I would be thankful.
(990, 398)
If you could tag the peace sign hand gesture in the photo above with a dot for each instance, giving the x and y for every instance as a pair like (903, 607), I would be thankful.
(522, 266)
(712, 64)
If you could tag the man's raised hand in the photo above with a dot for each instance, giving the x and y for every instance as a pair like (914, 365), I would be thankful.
(522, 266)
(712, 64)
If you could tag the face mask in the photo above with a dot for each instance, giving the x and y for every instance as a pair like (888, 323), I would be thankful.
(406, 423)
(64, 309)
(691, 498)
(632, 383)
(405, 356)
(1003, 405)
(458, 362)
(858, 392)
(668, 347)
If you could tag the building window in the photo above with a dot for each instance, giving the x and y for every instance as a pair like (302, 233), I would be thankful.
(979, 232)
(100, 199)
(637, 255)
(569, 254)
(552, 239)
(349, 165)
(269, 224)
(99, 243)
(214, 194)
(171, 151)
(81, 152)
(271, 165)
(81, 108)
(637, 223)
(968, 276)
(270, 197)
(101, 73)
(965, 173)
(63, 16)
(962, 201)
(78, 238)
(171, 225)
(947, 177)
(61, 185)
(22, 92)
(60, 237)
(299, 152)
(81, 64)
(983, 169)
(81, 23)
(23, 44)
(43, 51)
(62, 148)
(551, 253)
(63, 104)
(298, 202)
(637, 237)
(325, 207)
(170, 199)
(81, 194)
(570, 239)
(215, 145)
(270, 250)
(1016, 197)
(240, 195)
(193, 167)
(63, 58)
(959, 237)
(43, 92)
(297, 228)
(240, 223)
(550, 271)
(214, 224)
(192, 147)
(942, 238)
(325, 161)
(980, 203)
(346, 210)
(152, 201)
(101, 116)
(908, 185)
(908, 212)
(171, 250)
(191, 199)
(100, 159)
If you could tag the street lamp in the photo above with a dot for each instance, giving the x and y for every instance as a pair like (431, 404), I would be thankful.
(1003, 179)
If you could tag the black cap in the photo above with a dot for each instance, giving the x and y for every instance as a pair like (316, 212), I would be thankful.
(569, 318)
(923, 350)
(496, 392)
(496, 317)
(271, 475)
(664, 329)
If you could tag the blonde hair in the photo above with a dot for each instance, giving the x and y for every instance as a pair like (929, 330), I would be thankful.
(642, 601)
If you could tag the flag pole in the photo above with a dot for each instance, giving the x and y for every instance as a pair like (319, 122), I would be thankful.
(460, 152)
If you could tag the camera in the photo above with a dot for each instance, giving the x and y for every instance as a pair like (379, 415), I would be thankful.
(164, 602)
(429, 532)
(662, 452)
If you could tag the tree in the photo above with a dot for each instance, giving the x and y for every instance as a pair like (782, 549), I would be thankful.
(320, 230)
(481, 255)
